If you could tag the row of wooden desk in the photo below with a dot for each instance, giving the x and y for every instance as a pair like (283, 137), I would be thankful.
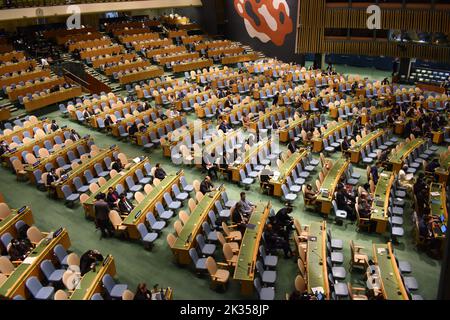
(126, 66)
(168, 50)
(112, 59)
(380, 205)
(79, 171)
(177, 57)
(330, 183)
(244, 272)
(186, 239)
(39, 86)
(153, 127)
(26, 128)
(149, 72)
(331, 130)
(8, 224)
(355, 150)
(40, 165)
(239, 58)
(89, 44)
(17, 152)
(18, 66)
(114, 49)
(138, 37)
(148, 204)
(25, 76)
(192, 65)
(88, 205)
(397, 159)
(8, 56)
(15, 284)
(285, 170)
(52, 98)
(248, 156)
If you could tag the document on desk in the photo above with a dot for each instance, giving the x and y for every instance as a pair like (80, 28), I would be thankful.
(29, 260)
(381, 250)
(317, 290)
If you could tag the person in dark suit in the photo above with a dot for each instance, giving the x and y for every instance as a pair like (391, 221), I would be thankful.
(274, 242)
(74, 136)
(142, 293)
(308, 125)
(112, 198)
(343, 202)
(88, 261)
(52, 178)
(206, 185)
(238, 218)
(159, 172)
(224, 126)
(117, 165)
(125, 206)
(292, 147)
(54, 126)
(345, 145)
(101, 210)
(283, 217)
(374, 172)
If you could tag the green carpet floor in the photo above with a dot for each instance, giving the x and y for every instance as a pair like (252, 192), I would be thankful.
(134, 264)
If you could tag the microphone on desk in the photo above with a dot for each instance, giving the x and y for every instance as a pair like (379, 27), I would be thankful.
(188, 240)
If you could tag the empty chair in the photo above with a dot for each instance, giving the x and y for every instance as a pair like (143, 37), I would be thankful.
(155, 225)
(114, 290)
(206, 249)
(173, 205)
(163, 213)
(211, 235)
(199, 263)
(218, 276)
(132, 186)
(69, 196)
(50, 272)
(141, 179)
(99, 170)
(180, 196)
(38, 291)
(268, 276)
(79, 186)
(34, 235)
(6, 266)
(244, 180)
(411, 283)
(287, 196)
(147, 237)
(61, 254)
(268, 260)
(223, 213)
(266, 293)
(89, 178)
(228, 203)
(186, 187)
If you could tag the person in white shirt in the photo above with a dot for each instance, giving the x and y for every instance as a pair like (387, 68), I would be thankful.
(44, 63)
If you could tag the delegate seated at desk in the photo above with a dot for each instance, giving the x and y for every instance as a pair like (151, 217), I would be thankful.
(274, 242)
(112, 198)
(209, 165)
(206, 185)
(310, 194)
(225, 126)
(246, 206)
(159, 172)
(125, 206)
(88, 261)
